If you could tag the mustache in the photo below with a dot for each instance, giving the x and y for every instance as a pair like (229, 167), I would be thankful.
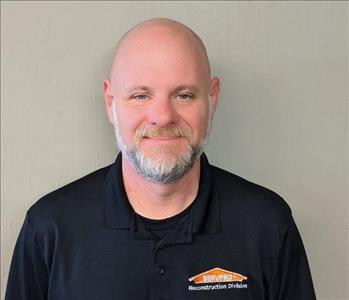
(163, 131)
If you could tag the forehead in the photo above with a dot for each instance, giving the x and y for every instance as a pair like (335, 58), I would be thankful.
(159, 58)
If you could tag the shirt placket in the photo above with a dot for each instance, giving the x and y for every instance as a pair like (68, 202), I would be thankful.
(160, 282)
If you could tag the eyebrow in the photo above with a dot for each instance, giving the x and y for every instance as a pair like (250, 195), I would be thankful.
(181, 87)
(138, 88)
(191, 87)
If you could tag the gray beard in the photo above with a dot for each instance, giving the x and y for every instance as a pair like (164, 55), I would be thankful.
(162, 171)
(157, 171)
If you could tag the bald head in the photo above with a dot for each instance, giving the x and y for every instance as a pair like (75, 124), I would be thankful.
(160, 82)
(159, 38)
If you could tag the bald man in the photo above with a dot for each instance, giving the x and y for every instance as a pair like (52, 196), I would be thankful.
(160, 222)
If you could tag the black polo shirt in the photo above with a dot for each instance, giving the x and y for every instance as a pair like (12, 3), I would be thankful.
(82, 241)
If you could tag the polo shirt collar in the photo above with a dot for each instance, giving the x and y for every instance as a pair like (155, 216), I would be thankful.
(119, 214)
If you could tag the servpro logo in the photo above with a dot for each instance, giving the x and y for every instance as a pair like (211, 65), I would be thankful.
(217, 275)
(223, 279)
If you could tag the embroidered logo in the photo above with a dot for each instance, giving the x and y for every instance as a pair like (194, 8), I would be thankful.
(221, 278)
(217, 275)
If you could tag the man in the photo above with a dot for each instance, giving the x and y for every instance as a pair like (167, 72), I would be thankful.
(161, 222)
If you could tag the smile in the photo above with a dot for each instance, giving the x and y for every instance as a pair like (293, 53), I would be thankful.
(163, 138)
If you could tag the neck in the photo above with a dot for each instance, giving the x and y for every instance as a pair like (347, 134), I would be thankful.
(160, 201)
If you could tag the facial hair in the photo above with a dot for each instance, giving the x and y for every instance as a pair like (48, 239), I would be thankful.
(161, 171)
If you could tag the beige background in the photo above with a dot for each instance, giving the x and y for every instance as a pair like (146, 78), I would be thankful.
(282, 120)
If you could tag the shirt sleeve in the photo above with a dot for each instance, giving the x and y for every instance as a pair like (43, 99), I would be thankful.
(28, 276)
(292, 280)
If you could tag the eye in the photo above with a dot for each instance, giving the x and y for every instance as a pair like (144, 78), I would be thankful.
(185, 96)
(139, 97)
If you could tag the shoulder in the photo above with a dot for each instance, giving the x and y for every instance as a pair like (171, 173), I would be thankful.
(240, 195)
(70, 201)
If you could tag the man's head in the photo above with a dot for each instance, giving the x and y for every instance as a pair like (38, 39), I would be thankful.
(160, 98)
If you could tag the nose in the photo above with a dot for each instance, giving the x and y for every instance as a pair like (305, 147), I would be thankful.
(162, 112)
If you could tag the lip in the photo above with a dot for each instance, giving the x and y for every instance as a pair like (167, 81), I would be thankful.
(169, 138)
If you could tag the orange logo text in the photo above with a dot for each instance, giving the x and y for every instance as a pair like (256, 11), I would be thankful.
(217, 275)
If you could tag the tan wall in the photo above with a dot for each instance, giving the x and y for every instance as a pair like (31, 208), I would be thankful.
(282, 120)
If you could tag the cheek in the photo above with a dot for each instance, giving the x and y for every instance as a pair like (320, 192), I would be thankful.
(128, 122)
(197, 120)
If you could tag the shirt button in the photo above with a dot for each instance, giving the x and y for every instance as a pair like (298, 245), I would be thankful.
(161, 270)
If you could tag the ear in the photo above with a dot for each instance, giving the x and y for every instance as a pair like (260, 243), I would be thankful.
(108, 100)
(214, 94)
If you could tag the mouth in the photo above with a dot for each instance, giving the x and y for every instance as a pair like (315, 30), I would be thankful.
(162, 138)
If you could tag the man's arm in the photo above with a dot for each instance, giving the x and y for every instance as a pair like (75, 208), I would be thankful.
(28, 276)
(292, 280)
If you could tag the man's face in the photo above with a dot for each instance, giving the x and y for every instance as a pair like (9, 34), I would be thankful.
(161, 108)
